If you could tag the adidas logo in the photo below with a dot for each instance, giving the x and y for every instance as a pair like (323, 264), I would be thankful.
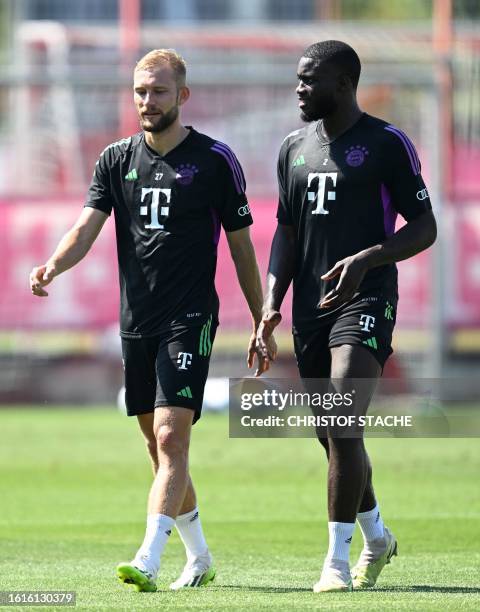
(389, 312)
(169, 532)
(185, 392)
(132, 175)
(300, 161)
(348, 540)
(194, 517)
(371, 342)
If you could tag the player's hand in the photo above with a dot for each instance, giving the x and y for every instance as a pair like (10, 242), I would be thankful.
(351, 272)
(265, 345)
(262, 359)
(40, 277)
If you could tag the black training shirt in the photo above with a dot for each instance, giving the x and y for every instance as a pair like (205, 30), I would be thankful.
(342, 197)
(168, 214)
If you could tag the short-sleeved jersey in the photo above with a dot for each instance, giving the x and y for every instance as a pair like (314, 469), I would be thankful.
(168, 214)
(342, 197)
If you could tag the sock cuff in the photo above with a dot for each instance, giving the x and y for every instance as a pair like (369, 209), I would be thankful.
(369, 513)
(340, 526)
(188, 516)
(371, 524)
(157, 520)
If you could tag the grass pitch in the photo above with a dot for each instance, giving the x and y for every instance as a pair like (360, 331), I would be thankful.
(74, 485)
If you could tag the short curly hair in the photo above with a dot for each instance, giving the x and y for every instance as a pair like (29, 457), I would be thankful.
(339, 54)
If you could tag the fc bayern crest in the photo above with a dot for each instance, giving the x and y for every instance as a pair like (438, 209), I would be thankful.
(186, 173)
(356, 155)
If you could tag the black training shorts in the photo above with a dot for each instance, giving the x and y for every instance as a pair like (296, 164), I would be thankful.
(366, 320)
(170, 369)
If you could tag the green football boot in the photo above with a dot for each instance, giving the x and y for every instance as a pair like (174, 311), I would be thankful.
(142, 581)
(368, 568)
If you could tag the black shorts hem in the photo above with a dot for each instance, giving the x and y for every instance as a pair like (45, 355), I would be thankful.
(197, 412)
(130, 413)
(163, 405)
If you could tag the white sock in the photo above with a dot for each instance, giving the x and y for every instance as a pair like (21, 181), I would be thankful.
(159, 528)
(340, 538)
(371, 524)
(190, 530)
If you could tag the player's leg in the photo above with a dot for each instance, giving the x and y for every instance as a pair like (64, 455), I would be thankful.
(190, 500)
(182, 378)
(145, 422)
(146, 425)
(314, 363)
(368, 500)
(347, 466)
(379, 544)
(367, 323)
(199, 569)
(171, 427)
(139, 359)
(188, 521)
(167, 433)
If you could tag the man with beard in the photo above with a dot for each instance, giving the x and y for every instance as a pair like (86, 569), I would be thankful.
(342, 181)
(171, 189)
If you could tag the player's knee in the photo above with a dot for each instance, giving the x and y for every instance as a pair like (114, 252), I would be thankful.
(170, 442)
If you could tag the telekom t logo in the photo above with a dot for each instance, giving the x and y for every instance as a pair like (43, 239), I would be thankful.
(155, 213)
(319, 195)
(367, 322)
(184, 360)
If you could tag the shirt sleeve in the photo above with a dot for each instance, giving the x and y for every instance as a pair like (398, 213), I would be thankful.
(404, 186)
(284, 213)
(232, 203)
(99, 193)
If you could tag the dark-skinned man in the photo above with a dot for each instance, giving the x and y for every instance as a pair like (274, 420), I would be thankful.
(342, 180)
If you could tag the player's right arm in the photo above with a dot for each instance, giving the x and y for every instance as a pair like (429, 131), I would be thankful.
(279, 277)
(73, 247)
(282, 260)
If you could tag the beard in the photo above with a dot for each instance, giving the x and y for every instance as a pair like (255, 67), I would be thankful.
(307, 117)
(318, 109)
(162, 123)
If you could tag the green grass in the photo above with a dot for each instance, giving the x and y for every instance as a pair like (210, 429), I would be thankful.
(74, 485)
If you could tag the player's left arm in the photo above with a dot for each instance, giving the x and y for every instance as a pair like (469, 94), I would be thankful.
(243, 255)
(414, 237)
(410, 198)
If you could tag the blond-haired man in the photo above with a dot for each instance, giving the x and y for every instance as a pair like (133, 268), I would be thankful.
(171, 189)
